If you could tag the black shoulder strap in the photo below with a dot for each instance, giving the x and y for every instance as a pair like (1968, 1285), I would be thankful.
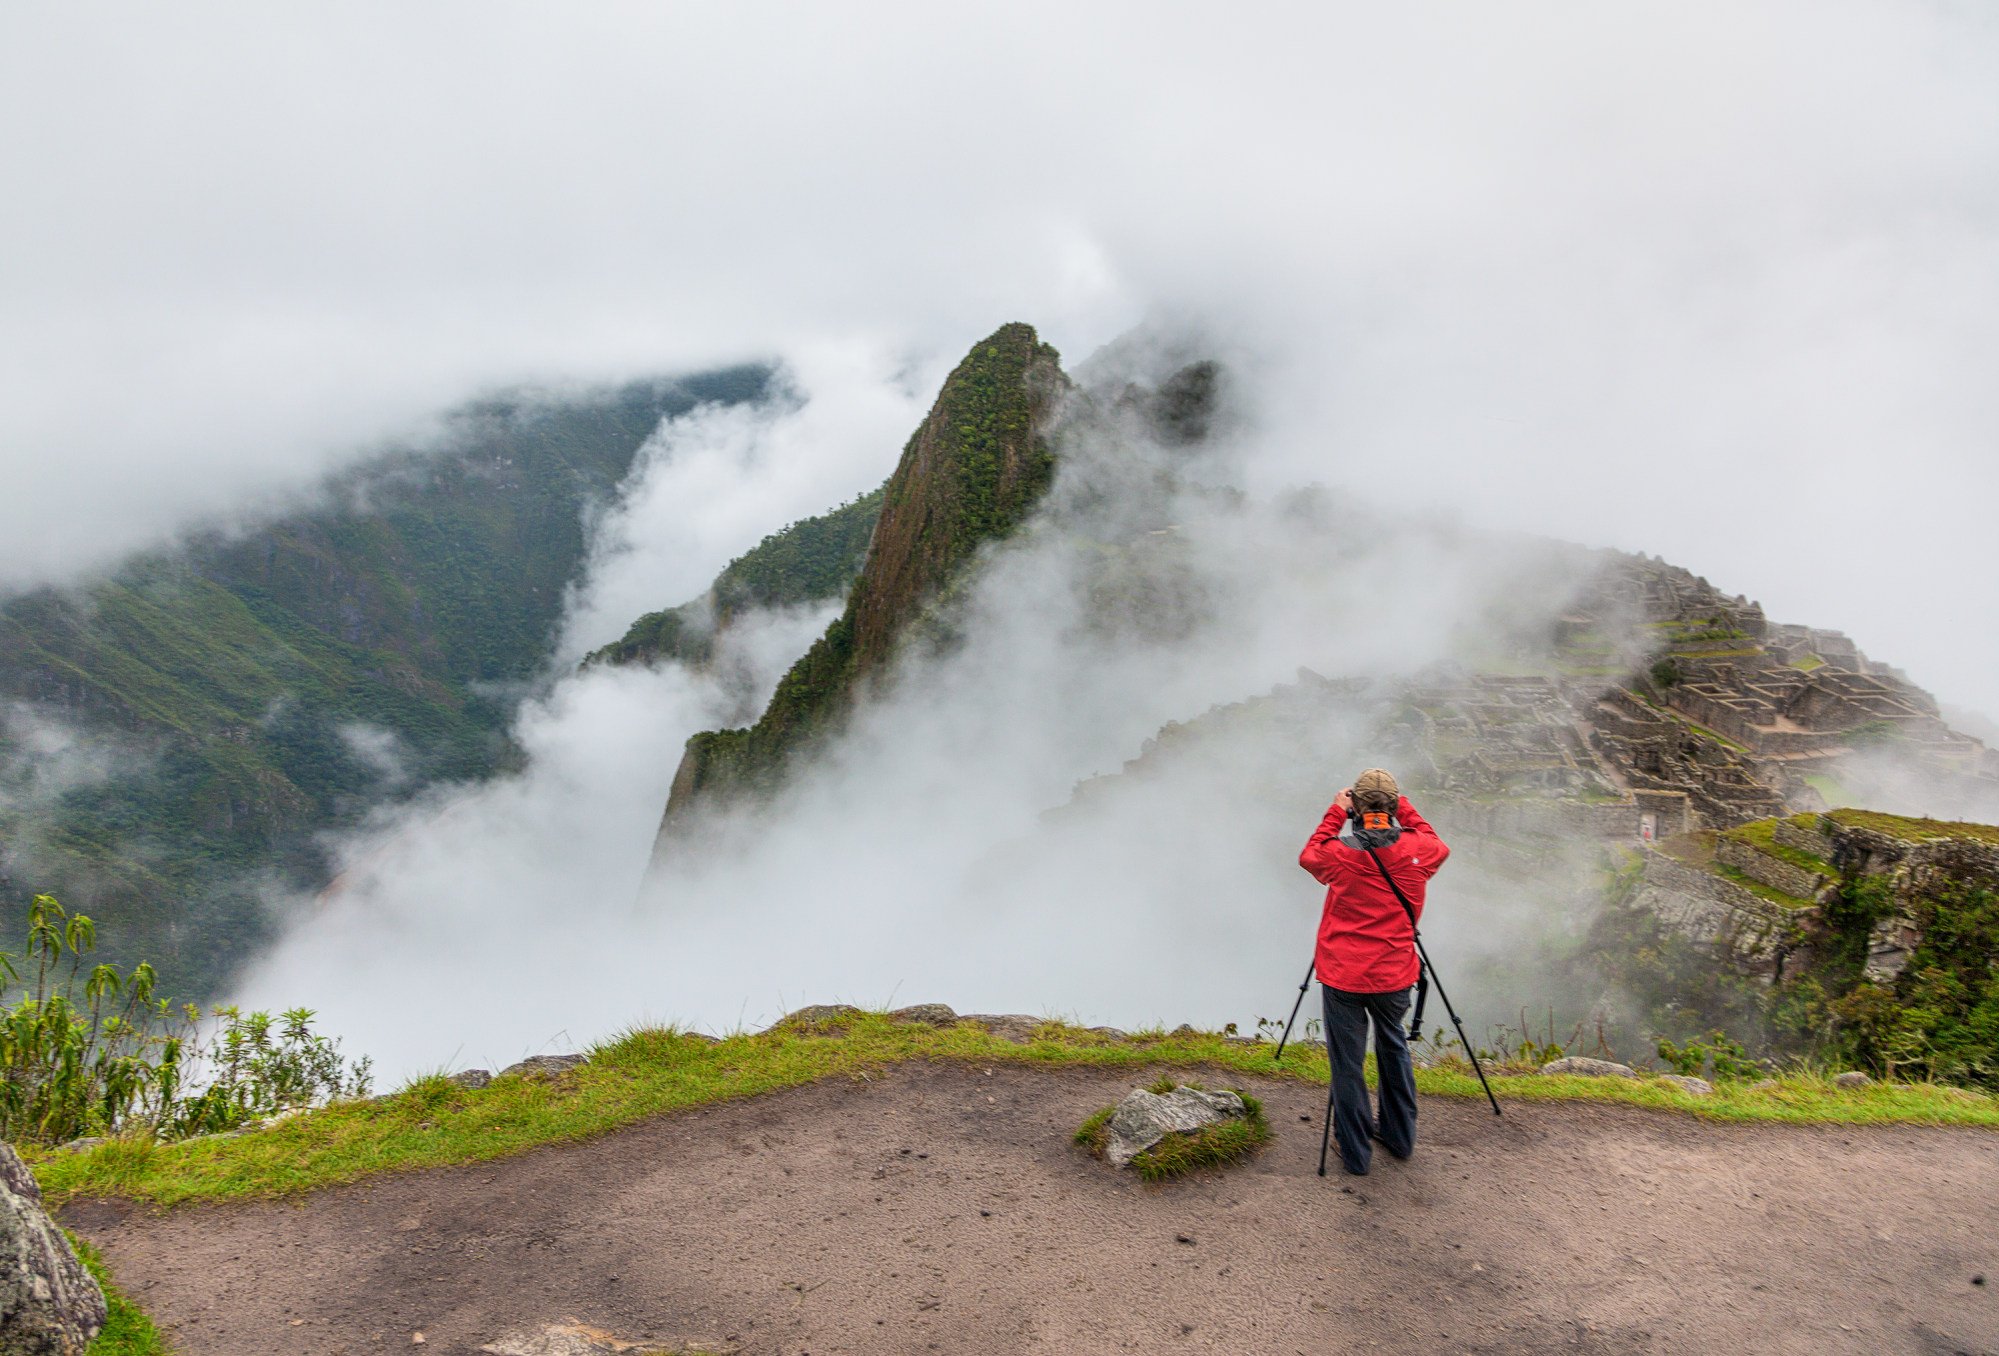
(1422, 971)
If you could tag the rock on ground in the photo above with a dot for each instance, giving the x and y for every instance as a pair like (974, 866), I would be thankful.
(1852, 1078)
(1144, 1118)
(569, 1339)
(1578, 1065)
(544, 1066)
(817, 1013)
(928, 1014)
(1015, 1027)
(472, 1078)
(1698, 1087)
(49, 1305)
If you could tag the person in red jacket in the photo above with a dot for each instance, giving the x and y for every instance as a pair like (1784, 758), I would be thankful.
(1367, 955)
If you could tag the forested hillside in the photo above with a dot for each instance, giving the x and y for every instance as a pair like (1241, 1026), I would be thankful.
(809, 561)
(263, 688)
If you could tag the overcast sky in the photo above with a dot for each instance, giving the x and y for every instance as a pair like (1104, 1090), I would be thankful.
(1715, 281)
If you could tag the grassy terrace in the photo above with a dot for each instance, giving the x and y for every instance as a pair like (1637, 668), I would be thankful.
(1737, 876)
(1696, 849)
(1761, 835)
(1915, 830)
(432, 1122)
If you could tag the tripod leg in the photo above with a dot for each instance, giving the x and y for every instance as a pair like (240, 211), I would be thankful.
(1326, 1131)
(1462, 1040)
(1303, 985)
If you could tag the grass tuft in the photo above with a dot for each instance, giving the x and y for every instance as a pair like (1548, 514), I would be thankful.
(126, 1331)
(1211, 1146)
(1095, 1133)
(1225, 1141)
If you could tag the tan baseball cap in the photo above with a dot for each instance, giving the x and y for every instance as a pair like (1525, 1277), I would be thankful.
(1375, 789)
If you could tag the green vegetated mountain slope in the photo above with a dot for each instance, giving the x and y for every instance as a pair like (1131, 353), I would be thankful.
(968, 476)
(1865, 937)
(263, 688)
(810, 561)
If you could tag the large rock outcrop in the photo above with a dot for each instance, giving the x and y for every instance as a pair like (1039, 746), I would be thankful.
(968, 476)
(1767, 895)
(49, 1305)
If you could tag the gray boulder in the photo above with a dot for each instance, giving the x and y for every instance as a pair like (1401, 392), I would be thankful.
(1687, 1083)
(1144, 1118)
(1015, 1027)
(1579, 1066)
(472, 1078)
(49, 1305)
(1852, 1078)
(926, 1014)
(544, 1066)
(819, 1013)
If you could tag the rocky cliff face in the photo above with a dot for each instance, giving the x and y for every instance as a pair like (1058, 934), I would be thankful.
(968, 476)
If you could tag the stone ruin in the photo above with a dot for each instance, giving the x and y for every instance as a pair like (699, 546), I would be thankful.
(1661, 705)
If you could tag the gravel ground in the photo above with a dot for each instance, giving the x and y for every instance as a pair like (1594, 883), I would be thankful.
(942, 1208)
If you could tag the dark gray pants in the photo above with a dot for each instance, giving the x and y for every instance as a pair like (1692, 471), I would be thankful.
(1348, 1016)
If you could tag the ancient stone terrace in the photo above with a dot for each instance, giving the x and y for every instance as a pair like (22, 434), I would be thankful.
(1644, 590)
(1683, 779)
(1773, 708)
(1787, 697)
(1494, 733)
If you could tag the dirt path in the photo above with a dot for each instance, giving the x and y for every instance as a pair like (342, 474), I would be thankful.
(941, 1208)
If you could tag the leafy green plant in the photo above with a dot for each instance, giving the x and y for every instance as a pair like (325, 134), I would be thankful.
(1713, 1053)
(94, 1051)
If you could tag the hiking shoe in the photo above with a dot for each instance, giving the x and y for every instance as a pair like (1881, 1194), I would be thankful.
(1392, 1153)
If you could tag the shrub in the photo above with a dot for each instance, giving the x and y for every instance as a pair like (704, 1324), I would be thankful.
(95, 1052)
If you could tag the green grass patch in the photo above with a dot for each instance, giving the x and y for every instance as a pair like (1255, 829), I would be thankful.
(1716, 735)
(435, 1123)
(1809, 663)
(1915, 830)
(1692, 849)
(1830, 789)
(1095, 1132)
(1761, 834)
(1756, 887)
(126, 1331)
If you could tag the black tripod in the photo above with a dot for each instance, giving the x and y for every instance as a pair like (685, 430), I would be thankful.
(1326, 1132)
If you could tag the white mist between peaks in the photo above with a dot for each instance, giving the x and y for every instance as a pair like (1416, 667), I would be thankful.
(908, 861)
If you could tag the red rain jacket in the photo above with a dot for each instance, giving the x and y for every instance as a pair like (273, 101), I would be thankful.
(1366, 944)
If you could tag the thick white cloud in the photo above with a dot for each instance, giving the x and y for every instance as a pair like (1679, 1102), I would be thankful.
(1719, 281)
